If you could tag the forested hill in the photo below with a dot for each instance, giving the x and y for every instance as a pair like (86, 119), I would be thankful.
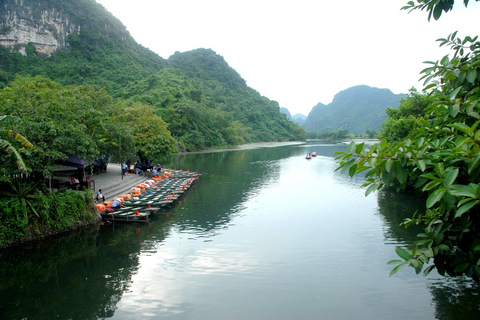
(355, 109)
(205, 103)
(225, 91)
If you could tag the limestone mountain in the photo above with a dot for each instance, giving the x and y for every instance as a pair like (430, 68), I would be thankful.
(205, 102)
(355, 109)
(298, 118)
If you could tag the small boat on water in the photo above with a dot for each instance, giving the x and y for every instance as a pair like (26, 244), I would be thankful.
(308, 156)
(314, 153)
(125, 217)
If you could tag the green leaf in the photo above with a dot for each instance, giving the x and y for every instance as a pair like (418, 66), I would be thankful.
(473, 163)
(435, 197)
(388, 165)
(351, 147)
(431, 185)
(402, 253)
(396, 269)
(460, 190)
(451, 176)
(346, 167)
(359, 148)
(402, 174)
(443, 247)
(352, 170)
(460, 141)
(462, 267)
(373, 187)
(454, 93)
(396, 261)
(471, 75)
(465, 208)
(428, 270)
(421, 165)
(461, 127)
(453, 110)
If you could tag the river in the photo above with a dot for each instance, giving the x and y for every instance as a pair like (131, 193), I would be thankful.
(263, 234)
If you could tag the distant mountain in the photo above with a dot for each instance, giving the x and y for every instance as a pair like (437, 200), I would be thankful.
(286, 112)
(355, 109)
(298, 118)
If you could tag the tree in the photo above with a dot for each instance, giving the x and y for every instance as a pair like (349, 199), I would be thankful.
(442, 161)
(151, 138)
(61, 120)
(7, 136)
(405, 121)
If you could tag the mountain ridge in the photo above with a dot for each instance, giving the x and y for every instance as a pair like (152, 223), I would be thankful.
(356, 109)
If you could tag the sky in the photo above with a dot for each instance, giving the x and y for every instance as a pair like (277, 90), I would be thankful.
(303, 52)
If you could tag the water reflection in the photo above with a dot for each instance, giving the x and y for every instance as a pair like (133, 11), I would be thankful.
(80, 276)
(262, 234)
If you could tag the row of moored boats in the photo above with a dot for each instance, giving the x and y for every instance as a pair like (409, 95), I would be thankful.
(148, 197)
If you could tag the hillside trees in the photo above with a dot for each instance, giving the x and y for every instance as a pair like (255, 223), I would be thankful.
(222, 109)
(151, 138)
(442, 161)
(80, 120)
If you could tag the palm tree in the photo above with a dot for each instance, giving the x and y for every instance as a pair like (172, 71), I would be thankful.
(6, 143)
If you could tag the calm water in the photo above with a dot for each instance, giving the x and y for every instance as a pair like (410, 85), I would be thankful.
(264, 234)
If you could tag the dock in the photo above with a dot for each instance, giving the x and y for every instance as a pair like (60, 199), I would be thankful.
(140, 195)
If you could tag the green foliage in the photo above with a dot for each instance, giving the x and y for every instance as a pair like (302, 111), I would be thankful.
(60, 120)
(340, 134)
(8, 140)
(54, 213)
(435, 8)
(225, 92)
(443, 161)
(23, 195)
(150, 135)
(406, 120)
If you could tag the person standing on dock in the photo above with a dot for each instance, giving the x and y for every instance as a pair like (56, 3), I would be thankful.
(124, 168)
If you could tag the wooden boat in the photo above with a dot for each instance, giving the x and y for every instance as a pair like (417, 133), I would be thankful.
(125, 217)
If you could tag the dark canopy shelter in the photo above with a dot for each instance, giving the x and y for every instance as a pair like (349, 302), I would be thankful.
(73, 161)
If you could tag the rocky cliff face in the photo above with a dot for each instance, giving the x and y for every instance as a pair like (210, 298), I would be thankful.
(21, 23)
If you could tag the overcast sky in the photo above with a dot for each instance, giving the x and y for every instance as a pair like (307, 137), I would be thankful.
(301, 52)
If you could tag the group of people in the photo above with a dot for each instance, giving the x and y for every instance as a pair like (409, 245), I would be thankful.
(128, 167)
(100, 197)
(139, 167)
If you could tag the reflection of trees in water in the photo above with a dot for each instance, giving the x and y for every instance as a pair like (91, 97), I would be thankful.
(395, 207)
(80, 276)
(455, 298)
(227, 179)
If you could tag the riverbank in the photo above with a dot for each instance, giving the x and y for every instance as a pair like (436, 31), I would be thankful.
(248, 146)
